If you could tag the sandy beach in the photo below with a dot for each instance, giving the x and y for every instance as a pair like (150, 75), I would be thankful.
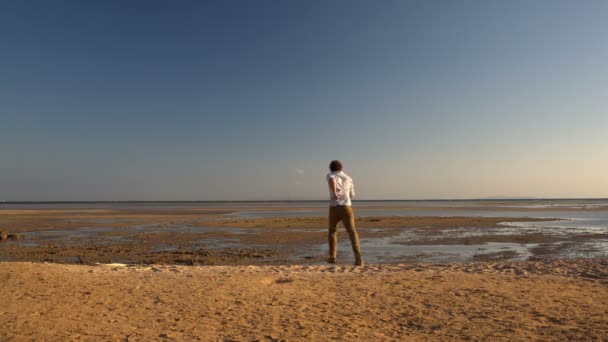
(177, 275)
(548, 300)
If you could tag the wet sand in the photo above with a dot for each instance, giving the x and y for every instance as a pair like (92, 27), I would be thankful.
(542, 300)
(209, 237)
(20, 220)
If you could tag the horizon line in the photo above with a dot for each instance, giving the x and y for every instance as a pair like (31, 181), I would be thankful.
(309, 200)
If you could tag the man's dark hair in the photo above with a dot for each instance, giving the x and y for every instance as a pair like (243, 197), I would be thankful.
(335, 165)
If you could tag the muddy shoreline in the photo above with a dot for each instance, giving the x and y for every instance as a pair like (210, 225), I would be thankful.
(208, 237)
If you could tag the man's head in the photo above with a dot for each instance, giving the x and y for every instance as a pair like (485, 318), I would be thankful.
(335, 166)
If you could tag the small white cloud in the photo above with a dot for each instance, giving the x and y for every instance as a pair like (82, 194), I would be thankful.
(300, 171)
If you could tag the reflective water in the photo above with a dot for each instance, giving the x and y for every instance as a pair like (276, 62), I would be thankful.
(386, 251)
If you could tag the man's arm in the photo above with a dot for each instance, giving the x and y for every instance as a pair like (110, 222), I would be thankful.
(332, 188)
(352, 189)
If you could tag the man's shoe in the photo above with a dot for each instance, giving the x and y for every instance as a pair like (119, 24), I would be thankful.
(359, 263)
(331, 260)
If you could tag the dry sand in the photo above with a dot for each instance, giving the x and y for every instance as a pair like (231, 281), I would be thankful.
(546, 300)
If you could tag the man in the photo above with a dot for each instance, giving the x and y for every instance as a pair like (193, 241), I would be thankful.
(341, 189)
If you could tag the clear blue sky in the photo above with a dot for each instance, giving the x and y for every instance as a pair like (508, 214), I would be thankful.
(245, 100)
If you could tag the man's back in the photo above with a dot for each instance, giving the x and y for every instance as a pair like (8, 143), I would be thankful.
(345, 188)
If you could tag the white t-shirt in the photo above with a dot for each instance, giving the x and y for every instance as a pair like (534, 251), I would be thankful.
(345, 188)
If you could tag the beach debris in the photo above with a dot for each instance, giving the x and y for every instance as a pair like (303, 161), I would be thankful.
(4, 235)
(115, 264)
(284, 280)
